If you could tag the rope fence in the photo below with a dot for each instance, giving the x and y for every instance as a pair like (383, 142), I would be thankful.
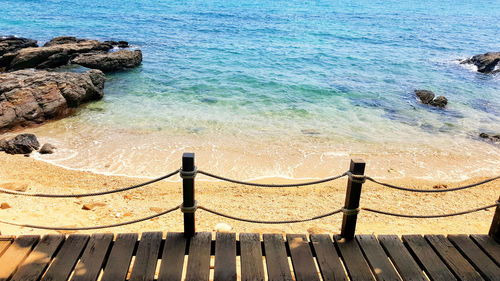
(188, 172)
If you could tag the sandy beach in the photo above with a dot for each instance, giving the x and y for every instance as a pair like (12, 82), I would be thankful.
(32, 175)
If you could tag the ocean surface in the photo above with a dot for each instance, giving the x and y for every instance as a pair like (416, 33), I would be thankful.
(288, 89)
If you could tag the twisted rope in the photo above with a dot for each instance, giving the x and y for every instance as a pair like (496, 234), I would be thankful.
(272, 185)
(7, 191)
(91, 227)
(430, 216)
(269, 222)
(432, 190)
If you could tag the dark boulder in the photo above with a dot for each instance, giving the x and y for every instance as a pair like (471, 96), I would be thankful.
(427, 97)
(63, 40)
(119, 44)
(47, 149)
(11, 44)
(486, 63)
(113, 61)
(21, 144)
(32, 97)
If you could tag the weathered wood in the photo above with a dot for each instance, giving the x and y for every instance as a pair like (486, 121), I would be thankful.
(198, 267)
(453, 259)
(38, 260)
(481, 262)
(90, 264)
(15, 254)
(146, 257)
(489, 246)
(377, 258)
(225, 256)
(276, 258)
(495, 224)
(118, 263)
(407, 268)
(172, 258)
(302, 258)
(434, 267)
(188, 194)
(252, 267)
(66, 258)
(353, 194)
(356, 265)
(328, 259)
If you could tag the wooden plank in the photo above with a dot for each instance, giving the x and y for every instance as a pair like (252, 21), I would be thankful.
(452, 257)
(91, 262)
(490, 246)
(276, 258)
(118, 263)
(62, 265)
(225, 256)
(146, 257)
(35, 264)
(328, 259)
(16, 254)
(5, 243)
(302, 258)
(434, 267)
(354, 262)
(407, 268)
(252, 267)
(172, 258)
(481, 262)
(198, 267)
(377, 258)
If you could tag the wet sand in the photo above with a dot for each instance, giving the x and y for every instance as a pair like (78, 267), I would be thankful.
(237, 200)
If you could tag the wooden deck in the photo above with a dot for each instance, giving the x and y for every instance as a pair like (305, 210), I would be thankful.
(222, 256)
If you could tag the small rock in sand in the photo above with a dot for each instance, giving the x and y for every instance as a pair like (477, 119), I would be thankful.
(4, 206)
(92, 205)
(440, 186)
(222, 227)
(47, 149)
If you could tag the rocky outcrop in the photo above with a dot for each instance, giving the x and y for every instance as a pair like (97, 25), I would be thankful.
(113, 61)
(486, 63)
(51, 56)
(12, 44)
(31, 96)
(21, 144)
(427, 97)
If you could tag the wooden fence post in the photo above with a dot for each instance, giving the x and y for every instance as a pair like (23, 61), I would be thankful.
(188, 174)
(495, 225)
(353, 194)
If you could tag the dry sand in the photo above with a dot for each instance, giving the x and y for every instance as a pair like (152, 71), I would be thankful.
(243, 201)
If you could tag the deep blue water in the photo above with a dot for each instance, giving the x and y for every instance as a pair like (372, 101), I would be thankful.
(328, 68)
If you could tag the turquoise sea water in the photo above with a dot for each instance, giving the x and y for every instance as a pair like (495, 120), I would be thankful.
(297, 73)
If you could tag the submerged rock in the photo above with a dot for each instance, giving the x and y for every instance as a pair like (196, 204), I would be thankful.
(493, 138)
(32, 97)
(427, 97)
(107, 62)
(21, 144)
(486, 63)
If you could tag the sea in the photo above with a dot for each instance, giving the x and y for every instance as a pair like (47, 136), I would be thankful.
(278, 89)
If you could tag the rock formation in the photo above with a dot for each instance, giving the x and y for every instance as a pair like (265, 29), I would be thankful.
(23, 53)
(427, 97)
(113, 61)
(486, 63)
(21, 144)
(31, 96)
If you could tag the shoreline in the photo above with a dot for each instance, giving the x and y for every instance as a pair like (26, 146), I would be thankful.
(242, 201)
